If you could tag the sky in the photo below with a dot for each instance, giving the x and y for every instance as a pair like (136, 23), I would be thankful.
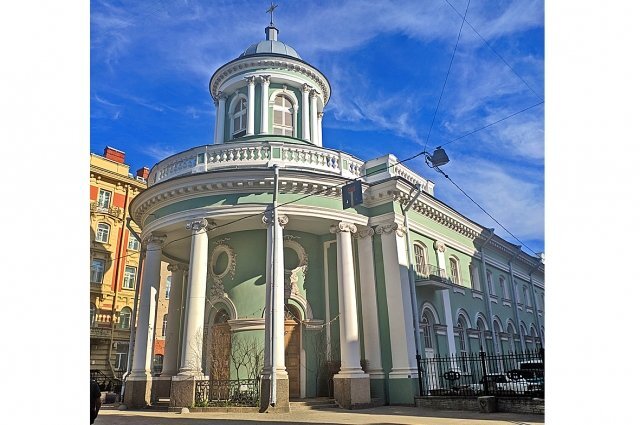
(395, 87)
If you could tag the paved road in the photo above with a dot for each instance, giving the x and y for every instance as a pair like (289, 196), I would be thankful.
(378, 415)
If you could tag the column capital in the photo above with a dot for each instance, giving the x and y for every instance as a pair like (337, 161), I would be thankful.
(220, 96)
(251, 80)
(267, 218)
(197, 224)
(313, 93)
(390, 228)
(320, 114)
(439, 246)
(306, 88)
(155, 239)
(174, 267)
(365, 232)
(343, 226)
(265, 79)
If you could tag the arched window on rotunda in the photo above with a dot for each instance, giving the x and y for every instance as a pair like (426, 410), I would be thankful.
(283, 116)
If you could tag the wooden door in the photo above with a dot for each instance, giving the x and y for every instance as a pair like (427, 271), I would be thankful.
(292, 355)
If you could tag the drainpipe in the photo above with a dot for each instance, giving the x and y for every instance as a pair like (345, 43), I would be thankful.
(412, 280)
(132, 327)
(274, 217)
(119, 259)
(533, 296)
(487, 293)
(514, 300)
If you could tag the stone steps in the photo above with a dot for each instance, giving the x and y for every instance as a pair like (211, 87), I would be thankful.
(312, 404)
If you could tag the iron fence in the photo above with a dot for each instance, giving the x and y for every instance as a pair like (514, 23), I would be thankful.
(237, 392)
(474, 374)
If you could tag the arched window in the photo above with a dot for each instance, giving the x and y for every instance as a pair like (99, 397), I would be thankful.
(283, 116)
(164, 325)
(512, 337)
(523, 333)
(157, 363)
(97, 270)
(462, 343)
(497, 329)
(239, 119)
(504, 287)
(92, 319)
(102, 235)
(125, 318)
(492, 290)
(454, 265)
(485, 335)
(421, 259)
(426, 323)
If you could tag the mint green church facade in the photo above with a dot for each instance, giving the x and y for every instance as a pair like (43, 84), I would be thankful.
(339, 301)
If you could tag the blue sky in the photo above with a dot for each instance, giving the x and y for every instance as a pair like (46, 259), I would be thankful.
(151, 62)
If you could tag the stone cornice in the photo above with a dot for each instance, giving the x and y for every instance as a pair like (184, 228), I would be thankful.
(264, 64)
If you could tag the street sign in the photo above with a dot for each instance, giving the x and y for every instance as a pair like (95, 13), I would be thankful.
(351, 194)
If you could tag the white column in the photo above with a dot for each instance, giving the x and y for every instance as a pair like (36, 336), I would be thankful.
(141, 366)
(221, 100)
(251, 86)
(278, 290)
(314, 116)
(268, 365)
(394, 256)
(347, 306)
(369, 303)
(194, 320)
(264, 124)
(305, 111)
(172, 338)
(320, 114)
(440, 247)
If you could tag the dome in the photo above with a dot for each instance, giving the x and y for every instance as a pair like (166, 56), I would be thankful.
(271, 46)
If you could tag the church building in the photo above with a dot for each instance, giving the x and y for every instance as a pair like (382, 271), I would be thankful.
(277, 286)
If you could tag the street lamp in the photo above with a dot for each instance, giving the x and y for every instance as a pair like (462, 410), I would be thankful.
(438, 158)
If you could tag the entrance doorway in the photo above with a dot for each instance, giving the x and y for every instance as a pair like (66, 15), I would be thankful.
(292, 342)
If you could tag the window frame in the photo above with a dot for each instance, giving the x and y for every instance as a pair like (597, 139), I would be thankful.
(103, 266)
(121, 316)
(240, 111)
(167, 288)
(283, 109)
(133, 241)
(492, 290)
(93, 312)
(129, 278)
(164, 325)
(421, 267)
(454, 265)
(100, 202)
(506, 294)
(102, 234)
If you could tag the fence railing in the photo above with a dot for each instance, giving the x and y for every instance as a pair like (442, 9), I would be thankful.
(474, 374)
(236, 392)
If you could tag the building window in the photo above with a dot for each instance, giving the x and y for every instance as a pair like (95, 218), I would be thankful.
(504, 288)
(125, 318)
(283, 116)
(102, 235)
(485, 335)
(122, 355)
(518, 300)
(157, 363)
(527, 296)
(455, 270)
(462, 343)
(523, 333)
(164, 325)
(421, 260)
(97, 270)
(512, 337)
(239, 119)
(134, 244)
(167, 290)
(428, 334)
(92, 319)
(473, 274)
(497, 328)
(104, 198)
(129, 278)
(492, 290)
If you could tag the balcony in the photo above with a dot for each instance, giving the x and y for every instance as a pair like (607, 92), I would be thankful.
(431, 276)
(112, 211)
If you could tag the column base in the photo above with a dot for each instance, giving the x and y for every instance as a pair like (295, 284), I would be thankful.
(377, 385)
(403, 389)
(160, 388)
(352, 391)
(282, 395)
(183, 391)
(137, 392)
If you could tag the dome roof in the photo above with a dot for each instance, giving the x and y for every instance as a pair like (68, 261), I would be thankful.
(271, 46)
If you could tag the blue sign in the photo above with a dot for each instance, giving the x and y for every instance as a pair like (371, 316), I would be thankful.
(351, 194)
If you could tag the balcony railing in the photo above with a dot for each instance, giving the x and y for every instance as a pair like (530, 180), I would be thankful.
(430, 272)
(114, 211)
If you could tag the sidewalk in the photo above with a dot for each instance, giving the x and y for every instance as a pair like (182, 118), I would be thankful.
(377, 415)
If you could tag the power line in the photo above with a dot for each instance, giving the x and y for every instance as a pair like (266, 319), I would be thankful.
(447, 76)
(492, 49)
(485, 211)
